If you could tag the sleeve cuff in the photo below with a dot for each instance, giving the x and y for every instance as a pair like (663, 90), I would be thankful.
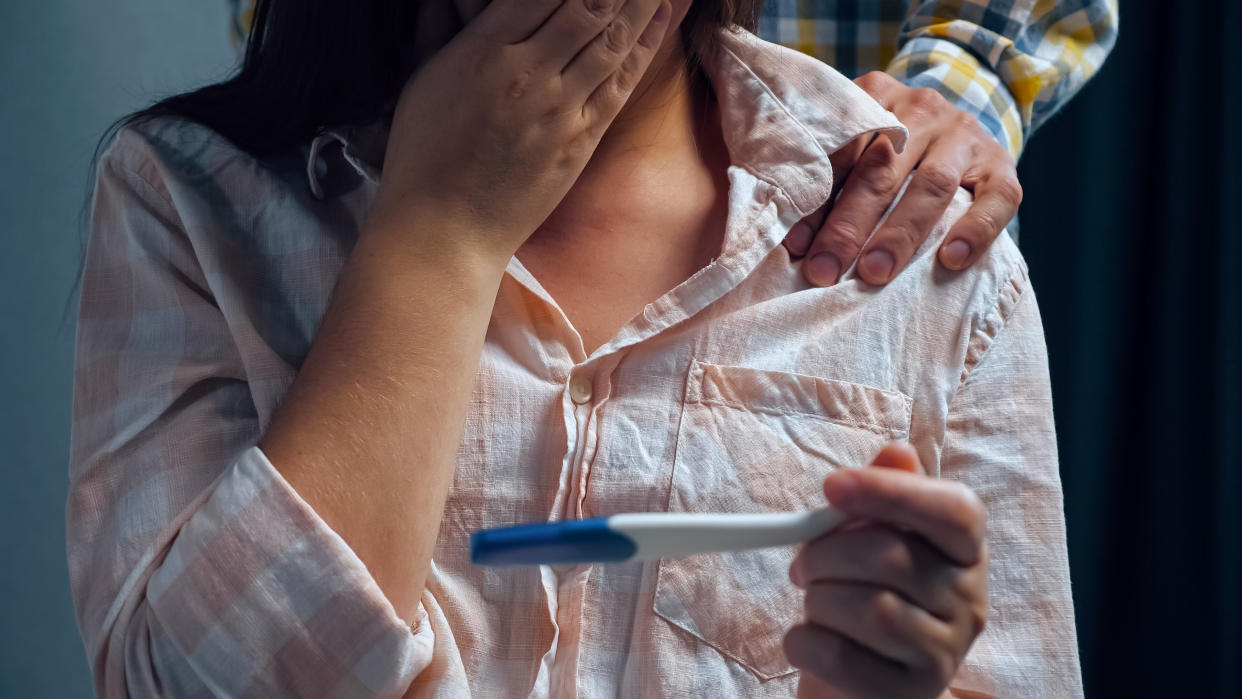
(966, 82)
(264, 598)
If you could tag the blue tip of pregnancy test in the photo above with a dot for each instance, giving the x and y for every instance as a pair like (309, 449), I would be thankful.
(553, 543)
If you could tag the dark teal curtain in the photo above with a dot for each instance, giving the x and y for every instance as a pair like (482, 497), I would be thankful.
(1132, 226)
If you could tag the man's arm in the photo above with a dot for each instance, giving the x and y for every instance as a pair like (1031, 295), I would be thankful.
(1011, 64)
(1007, 64)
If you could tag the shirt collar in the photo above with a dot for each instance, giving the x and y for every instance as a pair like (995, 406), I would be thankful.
(783, 113)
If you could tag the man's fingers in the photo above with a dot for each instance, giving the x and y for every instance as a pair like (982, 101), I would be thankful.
(996, 203)
(880, 85)
(931, 190)
(799, 238)
(870, 188)
(948, 514)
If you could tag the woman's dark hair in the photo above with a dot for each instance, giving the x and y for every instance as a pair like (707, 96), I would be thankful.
(327, 62)
(313, 63)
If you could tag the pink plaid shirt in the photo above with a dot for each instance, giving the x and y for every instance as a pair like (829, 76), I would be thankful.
(198, 571)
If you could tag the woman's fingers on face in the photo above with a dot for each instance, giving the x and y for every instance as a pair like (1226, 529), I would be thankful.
(513, 21)
(949, 515)
(931, 190)
(600, 30)
(843, 664)
(614, 86)
(883, 556)
(997, 197)
(869, 189)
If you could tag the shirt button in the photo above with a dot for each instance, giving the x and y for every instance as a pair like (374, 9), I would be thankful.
(580, 389)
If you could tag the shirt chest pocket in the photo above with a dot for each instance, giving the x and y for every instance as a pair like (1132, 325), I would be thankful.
(760, 441)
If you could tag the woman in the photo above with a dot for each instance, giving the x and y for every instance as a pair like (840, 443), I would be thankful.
(563, 295)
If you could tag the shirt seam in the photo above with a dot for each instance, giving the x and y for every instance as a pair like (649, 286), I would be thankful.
(120, 161)
(869, 426)
(1009, 295)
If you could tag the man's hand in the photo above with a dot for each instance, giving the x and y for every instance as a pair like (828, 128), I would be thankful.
(896, 596)
(949, 148)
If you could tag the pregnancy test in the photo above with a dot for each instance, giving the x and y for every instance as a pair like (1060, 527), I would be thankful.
(645, 536)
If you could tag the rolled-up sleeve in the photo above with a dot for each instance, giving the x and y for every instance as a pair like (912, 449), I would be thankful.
(196, 569)
(1000, 440)
(1011, 63)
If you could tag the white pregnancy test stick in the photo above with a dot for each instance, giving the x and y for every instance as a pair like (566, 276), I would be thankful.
(645, 536)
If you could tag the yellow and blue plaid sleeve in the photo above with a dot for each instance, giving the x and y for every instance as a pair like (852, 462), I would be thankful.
(1040, 51)
(1011, 63)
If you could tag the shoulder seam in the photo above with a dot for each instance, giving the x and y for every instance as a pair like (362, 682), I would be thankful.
(984, 334)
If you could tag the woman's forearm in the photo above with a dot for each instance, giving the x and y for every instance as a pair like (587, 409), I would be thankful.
(368, 432)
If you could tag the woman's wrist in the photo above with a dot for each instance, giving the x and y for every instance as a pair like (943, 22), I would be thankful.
(436, 242)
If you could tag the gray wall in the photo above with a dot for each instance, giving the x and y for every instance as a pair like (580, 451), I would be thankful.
(67, 69)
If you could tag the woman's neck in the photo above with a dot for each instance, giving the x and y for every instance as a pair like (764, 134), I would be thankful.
(662, 114)
(655, 163)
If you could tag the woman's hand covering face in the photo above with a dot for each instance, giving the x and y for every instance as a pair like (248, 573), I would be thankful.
(494, 128)
(947, 148)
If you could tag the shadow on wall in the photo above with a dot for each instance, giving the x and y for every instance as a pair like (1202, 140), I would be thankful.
(68, 69)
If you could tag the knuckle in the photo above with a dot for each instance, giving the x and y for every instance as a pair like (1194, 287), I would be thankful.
(880, 178)
(843, 238)
(902, 236)
(519, 85)
(987, 224)
(967, 121)
(884, 612)
(1009, 189)
(874, 81)
(624, 81)
(617, 36)
(895, 556)
(599, 8)
(928, 99)
(879, 155)
(579, 146)
(939, 179)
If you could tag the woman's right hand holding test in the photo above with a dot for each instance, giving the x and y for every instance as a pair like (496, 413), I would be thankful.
(488, 137)
(495, 128)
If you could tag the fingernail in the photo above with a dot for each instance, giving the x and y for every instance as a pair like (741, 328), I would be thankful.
(662, 13)
(823, 269)
(878, 265)
(955, 253)
(799, 239)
